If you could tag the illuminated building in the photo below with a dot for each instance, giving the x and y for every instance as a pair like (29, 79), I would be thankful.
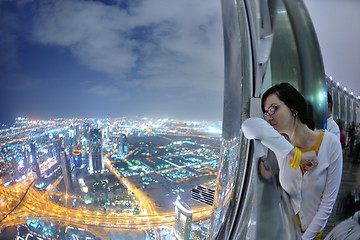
(76, 154)
(204, 195)
(50, 153)
(58, 148)
(95, 159)
(73, 136)
(105, 132)
(26, 156)
(183, 218)
(123, 148)
(32, 152)
(15, 168)
(72, 133)
(33, 160)
(66, 170)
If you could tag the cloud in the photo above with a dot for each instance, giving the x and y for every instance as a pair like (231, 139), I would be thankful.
(91, 30)
(153, 44)
(192, 51)
(138, 56)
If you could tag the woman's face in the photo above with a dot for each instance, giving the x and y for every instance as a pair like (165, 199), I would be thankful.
(281, 119)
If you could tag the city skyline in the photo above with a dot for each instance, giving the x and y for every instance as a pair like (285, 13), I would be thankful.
(109, 58)
(143, 175)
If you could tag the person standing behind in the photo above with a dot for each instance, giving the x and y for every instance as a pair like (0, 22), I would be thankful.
(331, 125)
(343, 136)
(351, 137)
(357, 147)
(312, 191)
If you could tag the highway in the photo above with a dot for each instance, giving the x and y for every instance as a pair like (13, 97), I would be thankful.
(38, 205)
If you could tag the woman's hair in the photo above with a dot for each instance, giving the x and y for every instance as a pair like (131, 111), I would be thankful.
(293, 100)
(340, 123)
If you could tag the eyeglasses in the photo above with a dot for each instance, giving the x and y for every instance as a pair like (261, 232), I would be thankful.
(271, 111)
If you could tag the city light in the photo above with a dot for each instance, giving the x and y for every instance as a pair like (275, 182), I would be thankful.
(125, 178)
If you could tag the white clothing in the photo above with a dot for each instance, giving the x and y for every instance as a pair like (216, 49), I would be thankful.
(348, 229)
(313, 194)
(332, 126)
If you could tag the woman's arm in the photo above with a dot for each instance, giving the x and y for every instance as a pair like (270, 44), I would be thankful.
(258, 128)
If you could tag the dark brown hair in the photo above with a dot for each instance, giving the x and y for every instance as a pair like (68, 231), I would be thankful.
(293, 100)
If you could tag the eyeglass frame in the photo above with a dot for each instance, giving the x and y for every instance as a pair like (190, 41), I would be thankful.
(271, 111)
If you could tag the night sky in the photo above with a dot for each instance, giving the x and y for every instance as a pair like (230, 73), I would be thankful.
(153, 58)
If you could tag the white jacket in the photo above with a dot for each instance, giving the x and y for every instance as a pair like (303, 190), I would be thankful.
(332, 127)
(313, 194)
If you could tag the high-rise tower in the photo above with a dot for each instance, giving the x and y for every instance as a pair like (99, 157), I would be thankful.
(33, 160)
(76, 155)
(95, 160)
(26, 156)
(58, 148)
(123, 148)
(183, 220)
(15, 166)
(66, 171)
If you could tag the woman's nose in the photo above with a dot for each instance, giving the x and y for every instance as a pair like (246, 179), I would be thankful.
(268, 118)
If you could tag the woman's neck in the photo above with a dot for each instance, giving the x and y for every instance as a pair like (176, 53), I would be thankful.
(302, 136)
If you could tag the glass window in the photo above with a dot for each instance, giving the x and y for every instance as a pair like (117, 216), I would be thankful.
(111, 118)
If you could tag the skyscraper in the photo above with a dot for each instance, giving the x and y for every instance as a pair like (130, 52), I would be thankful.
(66, 171)
(33, 160)
(26, 156)
(95, 160)
(183, 218)
(203, 194)
(58, 147)
(76, 154)
(123, 148)
(15, 166)
(105, 132)
(50, 153)
(72, 132)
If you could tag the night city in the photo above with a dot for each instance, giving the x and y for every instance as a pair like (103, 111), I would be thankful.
(82, 177)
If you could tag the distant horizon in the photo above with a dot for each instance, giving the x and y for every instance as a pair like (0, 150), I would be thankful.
(112, 118)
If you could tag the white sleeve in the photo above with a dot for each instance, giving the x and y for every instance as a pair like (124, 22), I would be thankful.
(333, 127)
(258, 128)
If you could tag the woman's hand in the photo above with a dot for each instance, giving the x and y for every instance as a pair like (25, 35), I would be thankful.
(309, 159)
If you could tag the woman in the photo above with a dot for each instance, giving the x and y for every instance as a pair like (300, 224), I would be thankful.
(312, 189)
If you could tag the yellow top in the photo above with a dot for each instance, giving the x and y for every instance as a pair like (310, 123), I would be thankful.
(314, 147)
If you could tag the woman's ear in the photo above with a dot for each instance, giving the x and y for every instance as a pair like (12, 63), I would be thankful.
(295, 113)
